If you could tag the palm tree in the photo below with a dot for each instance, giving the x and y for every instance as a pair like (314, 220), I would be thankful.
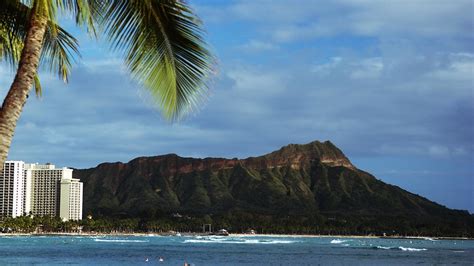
(161, 42)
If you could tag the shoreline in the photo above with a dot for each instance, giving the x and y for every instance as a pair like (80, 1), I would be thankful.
(89, 234)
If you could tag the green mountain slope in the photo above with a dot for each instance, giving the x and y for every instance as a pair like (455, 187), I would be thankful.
(299, 188)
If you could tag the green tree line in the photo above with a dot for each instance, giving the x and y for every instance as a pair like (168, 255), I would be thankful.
(239, 222)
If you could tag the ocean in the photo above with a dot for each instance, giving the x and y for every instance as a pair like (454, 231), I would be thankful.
(231, 250)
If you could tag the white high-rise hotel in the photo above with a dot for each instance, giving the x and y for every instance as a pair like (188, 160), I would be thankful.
(40, 190)
(71, 199)
(12, 192)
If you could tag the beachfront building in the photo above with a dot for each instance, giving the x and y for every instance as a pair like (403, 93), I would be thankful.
(70, 199)
(45, 188)
(12, 189)
(38, 189)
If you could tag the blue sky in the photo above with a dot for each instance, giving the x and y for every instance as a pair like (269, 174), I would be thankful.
(389, 82)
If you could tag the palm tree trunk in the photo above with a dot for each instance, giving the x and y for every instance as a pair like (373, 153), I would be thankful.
(22, 84)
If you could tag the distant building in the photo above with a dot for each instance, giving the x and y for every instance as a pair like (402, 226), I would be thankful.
(42, 190)
(45, 188)
(71, 199)
(12, 189)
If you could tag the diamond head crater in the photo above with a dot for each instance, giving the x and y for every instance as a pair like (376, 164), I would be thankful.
(299, 189)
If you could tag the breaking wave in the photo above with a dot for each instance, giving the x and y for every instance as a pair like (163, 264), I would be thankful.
(411, 249)
(222, 240)
(120, 240)
(338, 241)
(400, 248)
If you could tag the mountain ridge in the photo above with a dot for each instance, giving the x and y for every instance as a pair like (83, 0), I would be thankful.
(314, 183)
(336, 158)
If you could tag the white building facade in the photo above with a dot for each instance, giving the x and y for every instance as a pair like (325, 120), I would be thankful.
(12, 189)
(36, 189)
(45, 188)
(71, 199)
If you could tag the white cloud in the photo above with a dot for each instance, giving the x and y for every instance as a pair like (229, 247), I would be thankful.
(438, 150)
(422, 149)
(287, 22)
(105, 64)
(274, 11)
(368, 68)
(290, 33)
(365, 68)
(326, 68)
(256, 82)
(460, 67)
(303, 73)
(258, 46)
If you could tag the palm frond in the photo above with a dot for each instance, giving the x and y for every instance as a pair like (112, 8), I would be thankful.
(10, 48)
(12, 27)
(164, 49)
(37, 86)
(59, 49)
(86, 12)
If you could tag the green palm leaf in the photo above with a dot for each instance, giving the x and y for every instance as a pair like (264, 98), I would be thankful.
(12, 28)
(59, 49)
(164, 49)
(161, 41)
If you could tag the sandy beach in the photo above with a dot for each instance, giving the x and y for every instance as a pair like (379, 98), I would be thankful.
(186, 234)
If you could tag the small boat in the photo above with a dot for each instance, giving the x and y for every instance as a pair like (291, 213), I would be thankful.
(222, 232)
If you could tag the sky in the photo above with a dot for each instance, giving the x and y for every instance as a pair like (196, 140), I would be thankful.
(390, 83)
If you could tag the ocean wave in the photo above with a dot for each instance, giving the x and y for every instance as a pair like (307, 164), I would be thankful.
(237, 241)
(411, 249)
(400, 248)
(339, 241)
(120, 240)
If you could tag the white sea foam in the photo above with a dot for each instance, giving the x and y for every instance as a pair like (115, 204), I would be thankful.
(338, 241)
(120, 240)
(275, 242)
(411, 249)
(198, 241)
(222, 240)
(401, 248)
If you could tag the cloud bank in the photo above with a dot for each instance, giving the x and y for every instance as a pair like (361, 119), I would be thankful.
(390, 83)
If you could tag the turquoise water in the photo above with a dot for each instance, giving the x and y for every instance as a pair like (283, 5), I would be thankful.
(233, 250)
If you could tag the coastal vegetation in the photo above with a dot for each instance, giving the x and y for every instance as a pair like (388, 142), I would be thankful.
(241, 222)
(161, 43)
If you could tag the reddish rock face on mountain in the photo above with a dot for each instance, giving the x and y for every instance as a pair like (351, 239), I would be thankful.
(300, 156)
(299, 180)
